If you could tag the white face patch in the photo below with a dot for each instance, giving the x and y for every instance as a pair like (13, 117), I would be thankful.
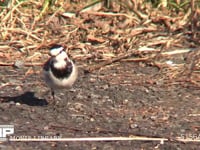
(56, 51)
(60, 60)
(60, 64)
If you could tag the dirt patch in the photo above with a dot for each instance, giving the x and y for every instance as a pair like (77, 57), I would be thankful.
(138, 76)
(98, 106)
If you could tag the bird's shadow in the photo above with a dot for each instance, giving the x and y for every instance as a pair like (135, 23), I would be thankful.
(27, 98)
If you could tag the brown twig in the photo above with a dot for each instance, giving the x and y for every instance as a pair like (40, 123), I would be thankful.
(20, 31)
(6, 64)
(26, 64)
(110, 14)
(135, 59)
(108, 62)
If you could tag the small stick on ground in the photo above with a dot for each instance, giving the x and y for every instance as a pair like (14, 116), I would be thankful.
(26, 64)
(116, 59)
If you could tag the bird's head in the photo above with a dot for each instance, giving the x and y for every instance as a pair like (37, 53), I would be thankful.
(56, 50)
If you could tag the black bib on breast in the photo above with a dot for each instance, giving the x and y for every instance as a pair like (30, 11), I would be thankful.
(64, 72)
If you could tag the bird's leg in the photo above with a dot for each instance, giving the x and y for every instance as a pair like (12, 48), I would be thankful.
(54, 102)
(53, 94)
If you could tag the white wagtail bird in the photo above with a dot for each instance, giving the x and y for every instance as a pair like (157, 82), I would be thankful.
(59, 71)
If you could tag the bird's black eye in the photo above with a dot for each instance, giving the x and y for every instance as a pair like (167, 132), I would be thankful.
(61, 51)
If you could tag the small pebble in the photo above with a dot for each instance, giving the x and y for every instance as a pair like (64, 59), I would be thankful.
(92, 80)
(46, 127)
(18, 88)
(92, 119)
(17, 104)
(132, 126)
(11, 102)
(19, 64)
(125, 101)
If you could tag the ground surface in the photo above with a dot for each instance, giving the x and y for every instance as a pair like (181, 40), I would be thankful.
(107, 103)
(138, 75)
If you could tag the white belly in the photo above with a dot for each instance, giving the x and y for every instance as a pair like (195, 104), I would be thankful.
(56, 83)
